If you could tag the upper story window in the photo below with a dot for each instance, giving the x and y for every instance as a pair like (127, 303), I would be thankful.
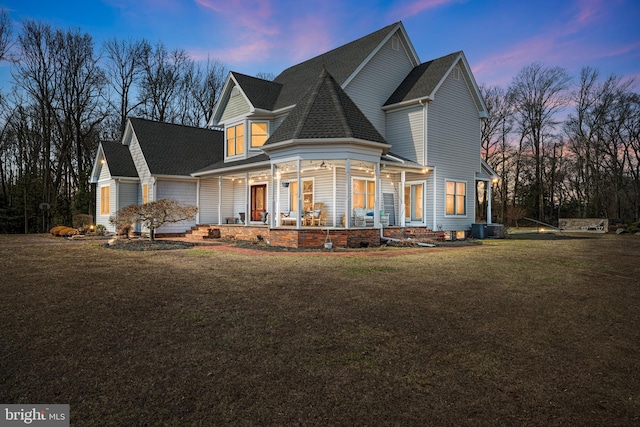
(258, 134)
(235, 140)
(456, 198)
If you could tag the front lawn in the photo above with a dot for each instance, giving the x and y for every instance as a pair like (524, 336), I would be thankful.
(511, 332)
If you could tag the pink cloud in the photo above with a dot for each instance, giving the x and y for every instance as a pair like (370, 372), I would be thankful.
(415, 7)
(309, 36)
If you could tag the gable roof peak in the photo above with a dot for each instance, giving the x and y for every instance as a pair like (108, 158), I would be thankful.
(325, 112)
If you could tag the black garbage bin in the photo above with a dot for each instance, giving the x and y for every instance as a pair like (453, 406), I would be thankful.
(479, 231)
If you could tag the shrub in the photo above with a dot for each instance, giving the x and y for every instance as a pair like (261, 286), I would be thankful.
(54, 231)
(82, 221)
(100, 229)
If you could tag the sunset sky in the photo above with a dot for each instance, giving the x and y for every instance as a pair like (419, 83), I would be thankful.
(499, 37)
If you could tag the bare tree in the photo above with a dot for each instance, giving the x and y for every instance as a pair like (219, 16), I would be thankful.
(6, 34)
(495, 133)
(124, 68)
(163, 73)
(539, 94)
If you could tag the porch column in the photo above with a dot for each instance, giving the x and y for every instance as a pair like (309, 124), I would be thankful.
(247, 198)
(273, 198)
(403, 176)
(435, 186)
(300, 213)
(334, 201)
(376, 201)
(276, 220)
(490, 184)
(220, 200)
(198, 201)
(347, 169)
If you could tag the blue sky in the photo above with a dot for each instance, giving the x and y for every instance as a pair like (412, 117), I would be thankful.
(499, 37)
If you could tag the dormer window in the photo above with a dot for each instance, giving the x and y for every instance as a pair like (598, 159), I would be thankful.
(235, 140)
(259, 134)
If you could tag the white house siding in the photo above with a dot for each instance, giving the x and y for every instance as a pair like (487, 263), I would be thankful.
(405, 133)
(227, 206)
(454, 146)
(377, 80)
(182, 191)
(138, 159)
(236, 106)
(208, 209)
(104, 219)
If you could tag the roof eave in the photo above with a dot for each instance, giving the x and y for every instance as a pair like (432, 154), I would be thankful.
(329, 141)
(236, 168)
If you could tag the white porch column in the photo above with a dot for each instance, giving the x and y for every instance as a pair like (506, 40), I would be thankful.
(489, 186)
(247, 197)
(276, 221)
(402, 214)
(376, 201)
(347, 169)
(435, 186)
(198, 201)
(299, 212)
(272, 210)
(334, 201)
(220, 200)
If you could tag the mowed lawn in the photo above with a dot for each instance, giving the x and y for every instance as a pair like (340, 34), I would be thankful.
(520, 331)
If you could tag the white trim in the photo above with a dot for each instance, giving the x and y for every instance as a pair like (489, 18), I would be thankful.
(410, 223)
(466, 198)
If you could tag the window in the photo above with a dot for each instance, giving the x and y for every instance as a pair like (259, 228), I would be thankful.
(235, 140)
(104, 200)
(307, 195)
(145, 194)
(258, 134)
(364, 193)
(456, 198)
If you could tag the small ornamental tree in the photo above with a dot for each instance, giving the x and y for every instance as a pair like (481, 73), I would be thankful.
(153, 215)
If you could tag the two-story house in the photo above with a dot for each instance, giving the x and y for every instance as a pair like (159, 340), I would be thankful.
(362, 138)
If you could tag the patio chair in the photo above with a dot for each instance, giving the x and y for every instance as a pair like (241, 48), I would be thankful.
(320, 219)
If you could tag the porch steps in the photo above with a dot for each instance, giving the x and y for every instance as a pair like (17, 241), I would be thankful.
(202, 232)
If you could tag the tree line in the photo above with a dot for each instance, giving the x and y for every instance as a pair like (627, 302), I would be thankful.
(66, 94)
(563, 147)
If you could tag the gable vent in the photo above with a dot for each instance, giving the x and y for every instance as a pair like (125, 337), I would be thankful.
(395, 43)
(235, 91)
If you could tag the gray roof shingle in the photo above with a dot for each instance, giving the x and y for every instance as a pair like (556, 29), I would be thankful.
(325, 112)
(261, 93)
(119, 160)
(172, 149)
(423, 79)
(340, 62)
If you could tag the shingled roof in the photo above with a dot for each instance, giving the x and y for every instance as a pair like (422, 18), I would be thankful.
(325, 112)
(423, 79)
(261, 93)
(171, 149)
(118, 158)
(341, 63)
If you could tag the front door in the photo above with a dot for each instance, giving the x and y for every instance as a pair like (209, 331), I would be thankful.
(258, 202)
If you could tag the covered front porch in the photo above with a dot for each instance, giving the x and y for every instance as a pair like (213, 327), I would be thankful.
(320, 193)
